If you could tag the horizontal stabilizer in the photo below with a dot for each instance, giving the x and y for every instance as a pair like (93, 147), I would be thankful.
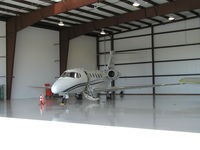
(190, 80)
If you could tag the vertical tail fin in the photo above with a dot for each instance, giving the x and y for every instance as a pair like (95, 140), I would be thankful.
(110, 63)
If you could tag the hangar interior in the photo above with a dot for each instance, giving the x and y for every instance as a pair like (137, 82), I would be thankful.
(149, 49)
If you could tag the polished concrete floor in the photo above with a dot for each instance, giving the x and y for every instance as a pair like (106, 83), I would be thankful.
(176, 113)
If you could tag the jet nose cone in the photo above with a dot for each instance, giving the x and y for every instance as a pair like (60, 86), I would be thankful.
(54, 89)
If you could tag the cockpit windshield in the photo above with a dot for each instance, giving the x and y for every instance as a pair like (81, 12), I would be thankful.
(71, 74)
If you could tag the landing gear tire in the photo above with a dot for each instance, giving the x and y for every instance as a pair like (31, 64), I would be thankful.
(63, 103)
(121, 94)
(108, 95)
(79, 96)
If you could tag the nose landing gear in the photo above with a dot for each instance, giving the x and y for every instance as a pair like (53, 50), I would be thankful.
(64, 100)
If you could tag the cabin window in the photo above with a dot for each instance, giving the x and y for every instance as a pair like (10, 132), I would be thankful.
(93, 75)
(71, 74)
(90, 74)
(98, 75)
(78, 75)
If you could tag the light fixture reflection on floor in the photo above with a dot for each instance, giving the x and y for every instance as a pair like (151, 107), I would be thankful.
(102, 32)
(56, 0)
(61, 23)
(136, 4)
(171, 18)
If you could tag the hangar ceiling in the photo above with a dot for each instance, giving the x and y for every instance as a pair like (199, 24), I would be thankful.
(94, 12)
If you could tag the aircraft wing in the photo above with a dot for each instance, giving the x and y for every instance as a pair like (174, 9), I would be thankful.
(190, 80)
(133, 87)
(40, 87)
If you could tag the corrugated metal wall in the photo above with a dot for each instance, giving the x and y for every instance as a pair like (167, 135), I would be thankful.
(176, 55)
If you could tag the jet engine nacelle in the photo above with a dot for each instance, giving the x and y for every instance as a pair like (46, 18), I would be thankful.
(113, 74)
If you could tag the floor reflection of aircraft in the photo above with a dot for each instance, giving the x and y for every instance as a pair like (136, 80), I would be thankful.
(90, 83)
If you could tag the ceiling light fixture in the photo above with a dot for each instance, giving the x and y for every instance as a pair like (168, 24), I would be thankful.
(136, 4)
(61, 23)
(102, 32)
(171, 18)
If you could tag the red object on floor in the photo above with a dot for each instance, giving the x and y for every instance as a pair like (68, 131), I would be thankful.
(42, 100)
(48, 92)
(48, 89)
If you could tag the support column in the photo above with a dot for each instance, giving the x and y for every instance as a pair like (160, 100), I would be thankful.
(112, 49)
(97, 51)
(153, 64)
(10, 54)
(64, 49)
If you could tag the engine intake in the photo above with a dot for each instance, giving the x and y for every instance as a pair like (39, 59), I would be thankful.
(112, 74)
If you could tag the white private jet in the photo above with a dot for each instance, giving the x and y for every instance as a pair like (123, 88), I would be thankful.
(90, 83)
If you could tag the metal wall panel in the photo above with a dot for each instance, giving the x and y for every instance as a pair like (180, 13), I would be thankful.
(2, 53)
(176, 54)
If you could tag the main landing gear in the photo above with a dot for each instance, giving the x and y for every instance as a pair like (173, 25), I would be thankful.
(110, 96)
(121, 94)
(64, 101)
(79, 96)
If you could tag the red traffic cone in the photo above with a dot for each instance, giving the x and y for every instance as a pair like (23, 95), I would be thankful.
(42, 102)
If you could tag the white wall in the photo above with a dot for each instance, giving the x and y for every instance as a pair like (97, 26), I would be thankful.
(2, 52)
(34, 61)
(180, 67)
(82, 53)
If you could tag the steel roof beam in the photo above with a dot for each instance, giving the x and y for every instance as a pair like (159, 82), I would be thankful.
(163, 9)
(103, 16)
(87, 17)
(28, 19)
(28, 9)
(180, 15)
(141, 7)
(194, 12)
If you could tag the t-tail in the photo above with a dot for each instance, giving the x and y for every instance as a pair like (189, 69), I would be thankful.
(110, 68)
